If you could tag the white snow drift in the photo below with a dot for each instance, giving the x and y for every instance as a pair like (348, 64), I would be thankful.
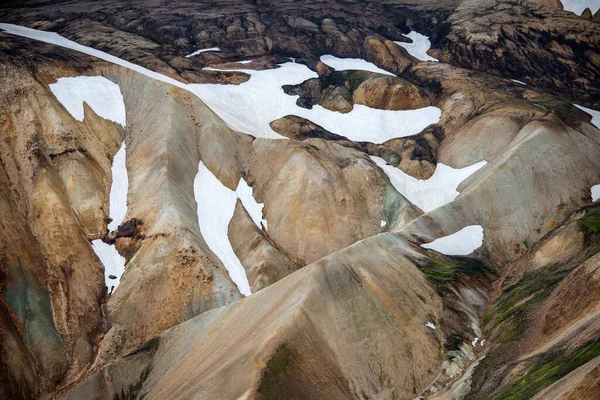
(118, 190)
(431, 193)
(216, 205)
(579, 6)
(419, 46)
(252, 105)
(460, 243)
(105, 98)
(344, 64)
(195, 53)
(114, 263)
(595, 192)
(102, 95)
(244, 193)
(594, 113)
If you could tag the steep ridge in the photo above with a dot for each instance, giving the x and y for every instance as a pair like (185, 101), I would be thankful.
(167, 234)
(301, 344)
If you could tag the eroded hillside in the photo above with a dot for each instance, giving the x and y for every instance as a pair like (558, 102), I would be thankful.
(299, 200)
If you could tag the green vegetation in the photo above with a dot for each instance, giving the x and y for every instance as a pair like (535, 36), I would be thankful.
(544, 108)
(525, 295)
(422, 299)
(547, 369)
(590, 222)
(280, 362)
(442, 271)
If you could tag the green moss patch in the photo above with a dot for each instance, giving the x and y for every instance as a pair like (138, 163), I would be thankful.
(281, 361)
(590, 222)
(547, 369)
(525, 295)
(443, 270)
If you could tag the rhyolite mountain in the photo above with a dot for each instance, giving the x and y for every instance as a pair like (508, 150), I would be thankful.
(265, 199)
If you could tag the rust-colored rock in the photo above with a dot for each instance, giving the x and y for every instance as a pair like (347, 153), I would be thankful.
(390, 93)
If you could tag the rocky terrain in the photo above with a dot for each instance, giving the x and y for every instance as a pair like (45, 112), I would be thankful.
(299, 199)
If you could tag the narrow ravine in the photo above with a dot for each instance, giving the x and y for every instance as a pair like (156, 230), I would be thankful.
(114, 263)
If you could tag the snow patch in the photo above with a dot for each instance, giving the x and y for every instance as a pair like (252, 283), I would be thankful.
(345, 64)
(195, 53)
(419, 46)
(519, 82)
(102, 95)
(245, 62)
(474, 342)
(216, 205)
(460, 243)
(579, 6)
(118, 190)
(595, 192)
(430, 325)
(114, 263)
(594, 114)
(383, 223)
(482, 343)
(252, 105)
(255, 209)
(431, 193)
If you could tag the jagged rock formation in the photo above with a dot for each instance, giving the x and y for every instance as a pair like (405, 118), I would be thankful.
(346, 301)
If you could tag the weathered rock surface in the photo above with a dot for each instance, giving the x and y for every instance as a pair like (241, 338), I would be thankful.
(558, 302)
(296, 342)
(340, 90)
(540, 46)
(389, 93)
(265, 263)
(339, 309)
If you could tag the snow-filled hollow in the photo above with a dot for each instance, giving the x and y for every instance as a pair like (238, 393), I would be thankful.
(579, 6)
(419, 47)
(461, 243)
(345, 64)
(102, 95)
(200, 51)
(118, 190)
(251, 106)
(216, 205)
(113, 262)
(440, 189)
